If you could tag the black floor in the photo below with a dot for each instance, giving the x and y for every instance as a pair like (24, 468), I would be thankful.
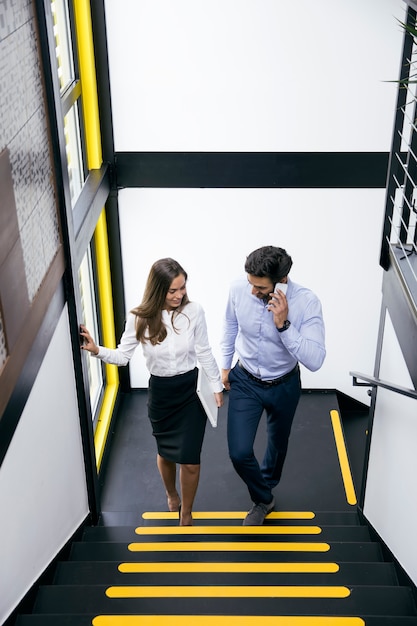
(311, 478)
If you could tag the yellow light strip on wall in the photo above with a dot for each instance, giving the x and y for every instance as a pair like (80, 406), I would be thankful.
(228, 568)
(87, 67)
(226, 620)
(107, 320)
(228, 530)
(91, 116)
(229, 546)
(343, 458)
(227, 591)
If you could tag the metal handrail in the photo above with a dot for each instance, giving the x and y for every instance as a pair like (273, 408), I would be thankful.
(371, 381)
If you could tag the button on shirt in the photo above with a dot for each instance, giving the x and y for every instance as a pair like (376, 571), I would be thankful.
(250, 332)
(179, 351)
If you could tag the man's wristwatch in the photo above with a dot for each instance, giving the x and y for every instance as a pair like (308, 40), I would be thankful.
(286, 326)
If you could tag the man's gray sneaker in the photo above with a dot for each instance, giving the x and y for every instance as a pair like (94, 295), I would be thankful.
(257, 514)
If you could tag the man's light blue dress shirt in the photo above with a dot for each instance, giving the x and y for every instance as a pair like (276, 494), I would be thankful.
(251, 335)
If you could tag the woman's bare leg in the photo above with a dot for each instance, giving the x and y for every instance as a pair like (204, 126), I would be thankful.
(168, 471)
(189, 477)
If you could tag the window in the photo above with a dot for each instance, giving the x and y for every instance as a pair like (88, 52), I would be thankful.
(70, 97)
(68, 28)
(63, 43)
(88, 303)
(74, 152)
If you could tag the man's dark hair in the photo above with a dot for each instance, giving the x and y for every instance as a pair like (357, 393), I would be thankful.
(269, 261)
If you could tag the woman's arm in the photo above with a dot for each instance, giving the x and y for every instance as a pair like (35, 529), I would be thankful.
(123, 353)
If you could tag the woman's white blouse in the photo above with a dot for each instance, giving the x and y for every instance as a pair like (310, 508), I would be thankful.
(178, 353)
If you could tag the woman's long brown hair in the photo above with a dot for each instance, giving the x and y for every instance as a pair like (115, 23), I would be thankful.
(149, 324)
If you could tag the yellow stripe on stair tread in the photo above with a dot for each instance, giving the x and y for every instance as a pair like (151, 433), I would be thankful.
(343, 458)
(227, 591)
(230, 515)
(225, 620)
(182, 567)
(227, 546)
(228, 530)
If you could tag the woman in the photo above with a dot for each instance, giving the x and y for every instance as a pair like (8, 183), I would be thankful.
(173, 334)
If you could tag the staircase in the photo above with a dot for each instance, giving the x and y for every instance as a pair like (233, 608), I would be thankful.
(312, 563)
(300, 568)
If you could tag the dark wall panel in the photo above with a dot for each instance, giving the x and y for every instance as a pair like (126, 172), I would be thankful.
(252, 169)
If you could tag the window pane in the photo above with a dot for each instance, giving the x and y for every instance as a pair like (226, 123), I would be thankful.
(63, 43)
(88, 303)
(74, 152)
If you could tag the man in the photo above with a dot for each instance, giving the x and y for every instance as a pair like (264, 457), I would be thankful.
(270, 332)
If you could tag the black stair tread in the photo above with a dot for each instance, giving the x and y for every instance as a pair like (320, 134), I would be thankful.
(325, 518)
(125, 533)
(86, 620)
(112, 551)
(102, 572)
(92, 598)
(59, 619)
(390, 620)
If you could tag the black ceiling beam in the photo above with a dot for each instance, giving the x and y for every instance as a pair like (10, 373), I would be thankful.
(328, 170)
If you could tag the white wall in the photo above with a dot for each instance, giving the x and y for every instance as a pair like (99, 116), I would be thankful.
(42, 480)
(253, 75)
(259, 76)
(390, 502)
(332, 236)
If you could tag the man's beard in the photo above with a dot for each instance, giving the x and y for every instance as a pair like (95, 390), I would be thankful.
(265, 298)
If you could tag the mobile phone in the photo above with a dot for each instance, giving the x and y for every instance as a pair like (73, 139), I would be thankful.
(281, 287)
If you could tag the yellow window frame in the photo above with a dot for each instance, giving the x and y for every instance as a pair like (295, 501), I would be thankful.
(86, 57)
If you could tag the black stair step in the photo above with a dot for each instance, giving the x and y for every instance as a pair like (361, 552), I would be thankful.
(86, 620)
(59, 620)
(325, 518)
(338, 551)
(361, 600)
(107, 573)
(156, 533)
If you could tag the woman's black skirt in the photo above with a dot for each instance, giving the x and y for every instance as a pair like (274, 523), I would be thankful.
(177, 417)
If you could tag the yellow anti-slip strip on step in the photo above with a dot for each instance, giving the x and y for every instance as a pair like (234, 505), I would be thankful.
(228, 530)
(229, 515)
(227, 591)
(229, 568)
(225, 620)
(229, 546)
(343, 458)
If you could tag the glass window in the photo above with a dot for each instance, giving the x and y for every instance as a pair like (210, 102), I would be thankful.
(74, 152)
(90, 320)
(70, 96)
(63, 43)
